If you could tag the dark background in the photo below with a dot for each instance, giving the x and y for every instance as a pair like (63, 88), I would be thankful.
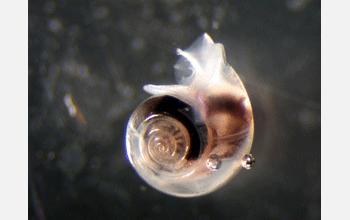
(97, 55)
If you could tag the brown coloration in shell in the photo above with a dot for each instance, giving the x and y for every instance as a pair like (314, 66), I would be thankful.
(228, 120)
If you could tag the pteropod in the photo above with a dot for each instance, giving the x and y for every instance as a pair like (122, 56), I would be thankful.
(189, 139)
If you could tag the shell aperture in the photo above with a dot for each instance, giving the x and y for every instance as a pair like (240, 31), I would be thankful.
(189, 139)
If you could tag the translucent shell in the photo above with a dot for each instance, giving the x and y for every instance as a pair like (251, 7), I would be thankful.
(189, 139)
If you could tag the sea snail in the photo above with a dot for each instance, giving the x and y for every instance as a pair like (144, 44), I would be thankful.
(189, 139)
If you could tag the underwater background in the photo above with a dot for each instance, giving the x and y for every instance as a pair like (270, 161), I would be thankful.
(88, 61)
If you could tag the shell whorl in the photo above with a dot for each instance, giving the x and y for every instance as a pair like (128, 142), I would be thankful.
(165, 142)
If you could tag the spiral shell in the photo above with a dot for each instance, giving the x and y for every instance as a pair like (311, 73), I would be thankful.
(166, 141)
(189, 139)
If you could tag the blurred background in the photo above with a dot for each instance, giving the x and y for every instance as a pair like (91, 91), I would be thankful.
(88, 61)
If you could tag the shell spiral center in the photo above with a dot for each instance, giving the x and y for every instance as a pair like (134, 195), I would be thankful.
(166, 141)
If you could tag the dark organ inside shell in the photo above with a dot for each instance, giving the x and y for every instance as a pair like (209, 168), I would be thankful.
(228, 121)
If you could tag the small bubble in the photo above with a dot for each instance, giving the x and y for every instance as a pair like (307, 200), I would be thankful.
(203, 22)
(248, 161)
(101, 13)
(83, 71)
(158, 67)
(234, 17)
(297, 5)
(219, 12)
(176, 17)
(214, 162)
(51, 155)
(169, 8)
(215, 25)
(308, 119)
(138, 44)
(55, 25)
